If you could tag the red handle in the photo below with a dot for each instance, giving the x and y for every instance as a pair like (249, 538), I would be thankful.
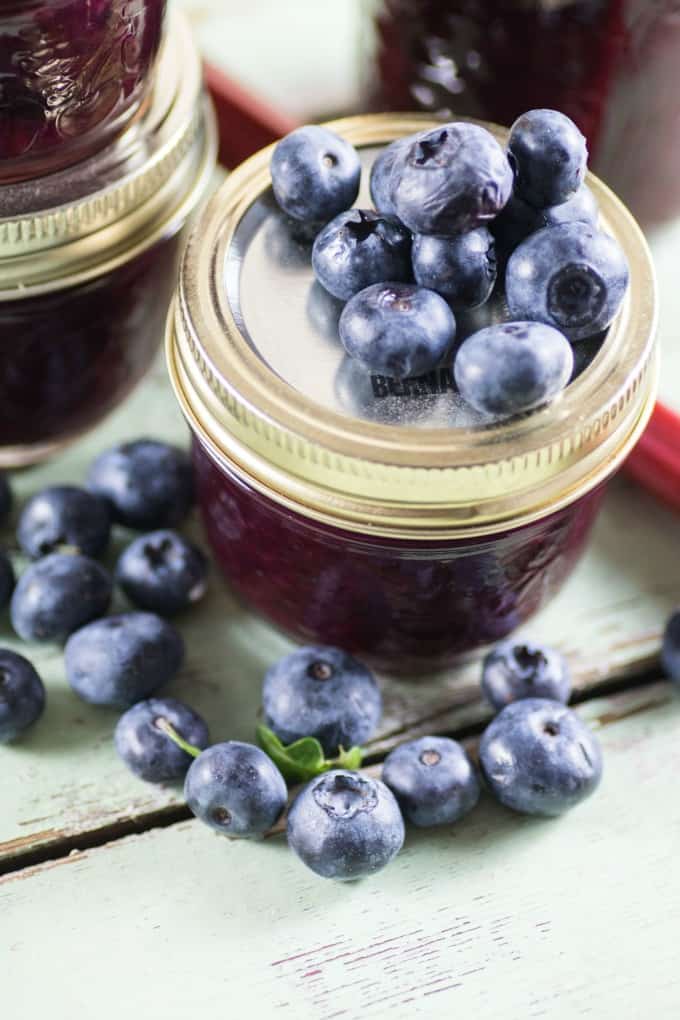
(245, 122)
(655, 461)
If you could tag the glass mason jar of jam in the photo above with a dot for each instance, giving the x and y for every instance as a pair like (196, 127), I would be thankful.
(72, 74)
(613, 66)
(377, 515)
(88, 261)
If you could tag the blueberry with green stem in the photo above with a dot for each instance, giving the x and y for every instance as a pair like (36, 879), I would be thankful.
(158, 738)
(22, 695)
(163, 572)
(321, 692)
(345, 825)
(64, 515)
(58, 594)
(236, 789)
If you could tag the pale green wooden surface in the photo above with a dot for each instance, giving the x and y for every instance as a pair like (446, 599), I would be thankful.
(64, 778)
(498, 917)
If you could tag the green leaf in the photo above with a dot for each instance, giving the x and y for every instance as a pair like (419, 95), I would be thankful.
(348, 759)
(302, 760)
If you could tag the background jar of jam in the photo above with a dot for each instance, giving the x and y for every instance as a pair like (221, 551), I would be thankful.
(88, 261)
(382, 517)
(72, 74)
(613, 66)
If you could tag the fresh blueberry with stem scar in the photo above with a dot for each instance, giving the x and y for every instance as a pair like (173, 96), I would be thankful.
(381, 183)
(147, 483)
(58, 594)
(345, 825)
(321, 692)
(358, 248)
(433, 780)
(64, 516)
(670, 648)
(539, 758)
(163, 572)
(7, 579)
(452, 179)
(572, 277)
(519, 219)
(512, 367)
(512, 671)
(122, 659)
(397, 329)
(146, 738)
(461, 268)
(236, 789)
(315, 174)
(548, 156)
(22, 695)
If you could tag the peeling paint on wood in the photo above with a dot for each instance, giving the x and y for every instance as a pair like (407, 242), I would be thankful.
(498, 916)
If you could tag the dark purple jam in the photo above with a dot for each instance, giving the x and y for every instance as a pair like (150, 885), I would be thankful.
(613, 66)
(68, 357)
(402, 605)
(72, 72)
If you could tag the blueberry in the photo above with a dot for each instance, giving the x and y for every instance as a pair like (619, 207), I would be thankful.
(580, 208)
(7, 579)
(433, 780)
(539, 758)
(572, 277)
(236, 789)
(452, 179)
(57, 595)
(345, 825)
(64, 515)
(315, 174)
(548, 156)
(324, 693)
(512, 367)
(381, 180)
(358, 248)
(397, 329)
(22, 695)
(513, 671)
(670, 648)
(519, 219)
(147, 750)
(163, 572)
(6, 497)
(148, 484)
(122, 659)
(462, 268)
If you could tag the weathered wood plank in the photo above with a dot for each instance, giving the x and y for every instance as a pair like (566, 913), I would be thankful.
(498, 916)
(64, 778)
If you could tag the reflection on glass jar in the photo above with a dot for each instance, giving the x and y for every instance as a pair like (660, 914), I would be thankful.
(611, 65)
(72, 72)
(88, 259)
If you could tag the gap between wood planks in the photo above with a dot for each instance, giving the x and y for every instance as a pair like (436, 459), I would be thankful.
(65, 845)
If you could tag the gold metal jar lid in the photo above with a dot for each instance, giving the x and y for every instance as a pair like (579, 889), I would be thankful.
(66, 227)
(255, 391)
